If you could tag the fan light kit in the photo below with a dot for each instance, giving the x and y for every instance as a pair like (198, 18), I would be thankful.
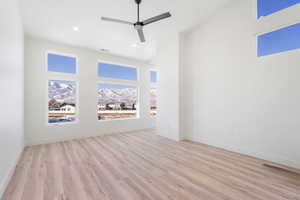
(139, 25)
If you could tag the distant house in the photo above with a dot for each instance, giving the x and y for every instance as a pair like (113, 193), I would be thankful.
(67, 109)
(54, 105)
(115, 106)
(101, 106)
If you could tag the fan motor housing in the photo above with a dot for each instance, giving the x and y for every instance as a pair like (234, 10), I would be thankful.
(138, 1)
(138, 26)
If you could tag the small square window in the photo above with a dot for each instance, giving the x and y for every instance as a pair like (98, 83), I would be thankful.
(153, 76)
(62, 64)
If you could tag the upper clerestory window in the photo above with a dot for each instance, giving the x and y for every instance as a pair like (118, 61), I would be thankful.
(61, 63)
(268, 7)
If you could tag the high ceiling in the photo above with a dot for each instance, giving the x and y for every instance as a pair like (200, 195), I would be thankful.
(54, 20)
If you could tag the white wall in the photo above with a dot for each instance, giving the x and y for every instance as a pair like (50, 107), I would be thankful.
(231, 98)
(167, 61)
(36, 129)
(11, 89)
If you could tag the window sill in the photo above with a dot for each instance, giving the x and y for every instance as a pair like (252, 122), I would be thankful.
(118, 119)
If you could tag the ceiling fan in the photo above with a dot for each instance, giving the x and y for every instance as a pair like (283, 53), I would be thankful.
(139, 24)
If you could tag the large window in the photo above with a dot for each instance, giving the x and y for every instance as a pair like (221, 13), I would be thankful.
(267, 7)
(279, 41)
(153, 93)
(116, 101)
(62, 92)
(117, 92)
(61, 101)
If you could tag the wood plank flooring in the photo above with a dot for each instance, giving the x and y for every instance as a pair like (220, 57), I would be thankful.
(143, 166)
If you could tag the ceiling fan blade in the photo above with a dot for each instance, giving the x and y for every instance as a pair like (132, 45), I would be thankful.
(141, 35)
(116, 20)
(156, 18)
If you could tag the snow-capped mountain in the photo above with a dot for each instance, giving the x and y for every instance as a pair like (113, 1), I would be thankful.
(65, 92)
(126, 95)
(62, 91)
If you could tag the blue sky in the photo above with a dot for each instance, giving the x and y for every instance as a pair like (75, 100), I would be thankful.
(117, 71)
(58, 63)
(65, 64)
(284, 39)
(113, 86)
(267, 7)
(153, 77)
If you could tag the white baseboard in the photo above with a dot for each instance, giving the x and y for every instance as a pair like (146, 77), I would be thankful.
(34, 141)
(6, 180)
(279, 159)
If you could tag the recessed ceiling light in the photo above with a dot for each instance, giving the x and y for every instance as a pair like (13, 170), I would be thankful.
(75, 28)
(134, 45)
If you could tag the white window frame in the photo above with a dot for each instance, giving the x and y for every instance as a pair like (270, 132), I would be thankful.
(153, 85)
(120, 82)
(263, 27)
(61, 76)
(264, 18)
(61, 54)
(122, 65)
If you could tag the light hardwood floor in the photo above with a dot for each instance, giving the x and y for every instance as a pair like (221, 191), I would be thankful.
(142, 166)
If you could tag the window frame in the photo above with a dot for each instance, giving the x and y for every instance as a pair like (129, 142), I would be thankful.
(261, 30)
(153, 85)
(116, 81)
(62, 54)
(61, 76)
(153, 70)
(122, 65)
(255, 5)
(274, 29)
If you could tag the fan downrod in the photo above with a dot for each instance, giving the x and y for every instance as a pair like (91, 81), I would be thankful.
(138, 1)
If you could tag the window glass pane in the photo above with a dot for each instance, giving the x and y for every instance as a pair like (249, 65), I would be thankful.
(279, 41)
(116, 101)
(153, 101)
(58, 63)
(267, 7)
(106, 70)
(153, 75)
(61, 101)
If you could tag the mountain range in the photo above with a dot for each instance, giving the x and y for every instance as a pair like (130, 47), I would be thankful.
(62, 91)
(126, 95)
(65, 92)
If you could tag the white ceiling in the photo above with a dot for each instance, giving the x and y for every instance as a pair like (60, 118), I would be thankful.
(55, 19)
